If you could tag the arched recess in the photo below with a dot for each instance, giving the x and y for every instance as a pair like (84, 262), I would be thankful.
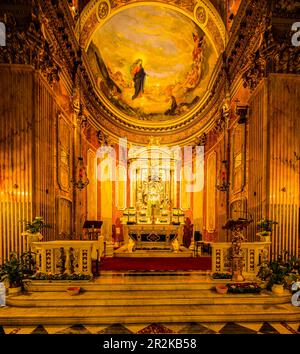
(203, 13)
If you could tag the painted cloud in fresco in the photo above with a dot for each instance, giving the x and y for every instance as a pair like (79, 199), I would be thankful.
(151, 62)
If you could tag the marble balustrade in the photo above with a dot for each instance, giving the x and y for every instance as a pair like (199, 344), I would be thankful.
(71, 256)
(254, 254)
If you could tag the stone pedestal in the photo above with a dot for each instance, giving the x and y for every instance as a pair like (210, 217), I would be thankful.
(30, 238)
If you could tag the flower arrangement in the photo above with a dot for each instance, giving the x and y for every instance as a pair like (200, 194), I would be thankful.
(265, 226)
(280, 272)
(35, 226)
(50, 276)
(12, 271)
(221, 276)
(243, 288)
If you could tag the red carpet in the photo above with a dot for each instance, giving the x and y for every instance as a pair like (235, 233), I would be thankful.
(142, 264)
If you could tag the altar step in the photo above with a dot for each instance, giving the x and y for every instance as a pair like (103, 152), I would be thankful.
(112, 282)
(136, 298)
(114, 298)
(22, 316)
(157, 253)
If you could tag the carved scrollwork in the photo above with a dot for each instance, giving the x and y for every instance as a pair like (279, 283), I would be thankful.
(220, 124)
(201, 140)
(29, 46)
(102, 138)
(286, 8)
(279, 58)
(276, 53)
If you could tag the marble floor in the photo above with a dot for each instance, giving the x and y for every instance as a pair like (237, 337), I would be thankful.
(161, 328)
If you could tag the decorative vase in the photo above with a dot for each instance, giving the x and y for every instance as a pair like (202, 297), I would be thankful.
(266, 237)
(32, 237)
(14, 290)
(277, 289)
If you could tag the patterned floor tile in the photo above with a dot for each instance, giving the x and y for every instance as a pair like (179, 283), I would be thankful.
(216, 327)
(52, 329)
(39, 330)
(115, 329)
(95, 329)
(155, 328)
(161, 328)
(175, 327)
(11, 330)
(76, 329)
(136, 327)
(255, 326)
(196, 328)
(267, 328)
(234, 328)
(281, 328)
(23, 330)
(292, 327)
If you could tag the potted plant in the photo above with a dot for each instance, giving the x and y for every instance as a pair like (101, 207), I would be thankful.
(265, 227)
(33, 229)
(278, 274)
(12, 273)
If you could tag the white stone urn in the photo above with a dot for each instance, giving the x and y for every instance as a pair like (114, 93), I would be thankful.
(266, 237)
(32, 237)
(277, 289)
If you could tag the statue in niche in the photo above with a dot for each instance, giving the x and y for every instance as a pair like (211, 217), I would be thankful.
(152, 194)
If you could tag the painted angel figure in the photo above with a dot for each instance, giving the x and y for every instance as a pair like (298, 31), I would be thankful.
(138, 74)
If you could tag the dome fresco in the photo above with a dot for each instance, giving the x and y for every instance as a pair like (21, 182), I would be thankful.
(151, 62)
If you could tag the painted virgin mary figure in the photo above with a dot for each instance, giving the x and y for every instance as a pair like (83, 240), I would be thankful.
(138, 75)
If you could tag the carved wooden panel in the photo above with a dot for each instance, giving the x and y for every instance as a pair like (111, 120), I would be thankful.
(64, 151)
(238, 159)
(238, 209)
(64, 216)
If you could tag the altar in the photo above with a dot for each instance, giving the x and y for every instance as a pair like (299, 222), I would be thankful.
(153, 223)
(153, 237)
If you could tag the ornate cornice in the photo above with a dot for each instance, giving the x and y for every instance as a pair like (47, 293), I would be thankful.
(260, 42)
(26, 44)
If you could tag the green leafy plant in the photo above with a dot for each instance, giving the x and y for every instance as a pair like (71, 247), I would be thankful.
(35, 226)
(12, 271)
(28, 263)
(265, 226)
(222, 276)
(50, 276)
(280, 271)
